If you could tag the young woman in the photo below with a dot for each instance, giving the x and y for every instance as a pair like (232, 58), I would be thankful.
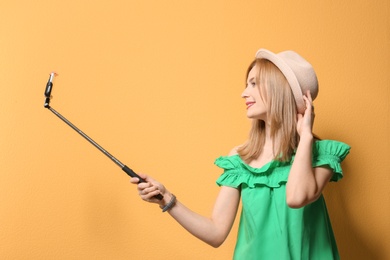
(278, 173)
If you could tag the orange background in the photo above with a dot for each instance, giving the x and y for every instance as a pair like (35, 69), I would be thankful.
(158, 84)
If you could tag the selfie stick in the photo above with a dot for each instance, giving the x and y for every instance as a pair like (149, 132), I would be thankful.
(130, 172)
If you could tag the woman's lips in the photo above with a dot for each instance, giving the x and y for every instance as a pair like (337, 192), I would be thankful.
(249, 104)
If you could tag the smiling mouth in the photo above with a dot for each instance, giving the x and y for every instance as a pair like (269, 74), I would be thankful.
(249, 104)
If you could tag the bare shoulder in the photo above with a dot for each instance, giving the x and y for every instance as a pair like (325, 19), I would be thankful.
(234, 151)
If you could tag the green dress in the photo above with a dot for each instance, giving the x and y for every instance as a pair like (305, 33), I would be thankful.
(271, 230)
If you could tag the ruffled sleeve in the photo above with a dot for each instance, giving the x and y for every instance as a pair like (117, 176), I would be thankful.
(232, 173)
(236, 173)
(330, 153)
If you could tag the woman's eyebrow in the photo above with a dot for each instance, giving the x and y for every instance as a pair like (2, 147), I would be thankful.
(251, 79)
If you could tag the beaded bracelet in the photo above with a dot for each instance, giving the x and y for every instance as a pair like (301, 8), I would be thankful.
(170, 204)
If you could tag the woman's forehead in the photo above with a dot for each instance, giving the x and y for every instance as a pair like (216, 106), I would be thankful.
(253, 72)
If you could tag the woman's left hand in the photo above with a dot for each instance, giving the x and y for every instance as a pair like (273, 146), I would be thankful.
(305, 121)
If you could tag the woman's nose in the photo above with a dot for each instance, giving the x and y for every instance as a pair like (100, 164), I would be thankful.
(244, 94)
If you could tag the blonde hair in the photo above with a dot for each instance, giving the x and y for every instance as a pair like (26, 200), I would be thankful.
(281, 115)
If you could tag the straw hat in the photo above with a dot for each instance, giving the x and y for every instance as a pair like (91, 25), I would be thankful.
(298, 72)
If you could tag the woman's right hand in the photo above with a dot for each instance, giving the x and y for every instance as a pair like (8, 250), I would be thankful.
(305, 121)
(212, 230)
(150, 188)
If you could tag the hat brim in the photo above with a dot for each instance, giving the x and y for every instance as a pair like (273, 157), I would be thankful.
(288, 73)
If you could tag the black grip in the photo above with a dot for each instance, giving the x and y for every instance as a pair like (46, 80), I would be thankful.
(131, 173)
(49, 87)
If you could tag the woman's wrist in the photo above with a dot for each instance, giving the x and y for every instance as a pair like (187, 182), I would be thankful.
(304, 137)
(167, 196)
(168, 202)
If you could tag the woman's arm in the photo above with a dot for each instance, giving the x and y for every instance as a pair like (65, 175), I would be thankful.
(212, 230)
(305, 184)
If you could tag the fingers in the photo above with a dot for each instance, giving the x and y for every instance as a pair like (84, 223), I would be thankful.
(305, 121)
(148, 189)
(149, 194)
(308, 95)
(308, 99)
(145, 189)
(309, 102)
(136, 180)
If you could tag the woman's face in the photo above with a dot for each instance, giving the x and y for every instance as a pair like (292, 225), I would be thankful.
(255, 105)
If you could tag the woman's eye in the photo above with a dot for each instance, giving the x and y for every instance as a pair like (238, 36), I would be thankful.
(253, 84)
